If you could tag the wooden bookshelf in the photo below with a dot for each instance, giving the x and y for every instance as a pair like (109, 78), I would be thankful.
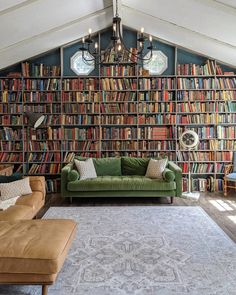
(120, 112)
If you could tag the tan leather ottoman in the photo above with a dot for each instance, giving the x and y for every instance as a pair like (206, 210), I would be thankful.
(32, 252)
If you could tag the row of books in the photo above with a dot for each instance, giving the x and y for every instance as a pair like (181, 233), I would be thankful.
(44, 145)
(156, 83)
(8, 97)
(195, 156)
(203, 132)
(189, 95)
(220, 168)
(229, 83)
(156, 107)
(11, 84)
(82, 133)
(80, 145)
(53, 185)
(217, 106)
(81, 120)
(42, 97)
(44, 168)
(196, 119)
(11, 157)
(11, 146)
(119, 70)
(88, 108)
(204, 156)
(87, 83)
(195, 83)
(7, 133)
(159, 119)
(156, 145)
(11, 108)
(43, 108)
(119, 96)
(203, 184)
(223, 144)
(191, 107)
(11, 120)
(39, 70)
(44, 157)
(226, 132)
(224, 156)
(119, 145)
(162, 95)
(118, 108)
(81, 96)
(108, 84)
(199, 168)
(156, 133)
(219, 71)
(50, 84)
(193, 69)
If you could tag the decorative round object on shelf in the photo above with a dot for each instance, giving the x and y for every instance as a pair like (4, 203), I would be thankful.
(189, 139)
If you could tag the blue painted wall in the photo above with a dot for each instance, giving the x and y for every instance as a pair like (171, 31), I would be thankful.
(53, 57)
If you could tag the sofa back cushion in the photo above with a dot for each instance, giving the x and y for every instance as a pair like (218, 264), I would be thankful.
(107, 166)
(134, 166)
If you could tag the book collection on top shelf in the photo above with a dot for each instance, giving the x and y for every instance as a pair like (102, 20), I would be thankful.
(121, 112)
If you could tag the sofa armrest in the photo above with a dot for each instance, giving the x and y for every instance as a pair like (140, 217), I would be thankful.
(64, 179)
(37, 184)
(178, 177)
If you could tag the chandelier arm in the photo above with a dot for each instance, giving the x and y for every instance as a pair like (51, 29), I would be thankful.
(87, 60)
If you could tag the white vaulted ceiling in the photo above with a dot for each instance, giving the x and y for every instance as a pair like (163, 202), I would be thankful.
(31, 27)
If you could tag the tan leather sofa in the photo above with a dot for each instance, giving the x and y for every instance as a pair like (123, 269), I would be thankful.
(27, 206)
(32, 252)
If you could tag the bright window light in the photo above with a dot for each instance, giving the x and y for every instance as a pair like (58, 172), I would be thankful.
(232, 218)
(221, 205)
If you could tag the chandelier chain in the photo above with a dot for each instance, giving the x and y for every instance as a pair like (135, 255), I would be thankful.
(117, 14)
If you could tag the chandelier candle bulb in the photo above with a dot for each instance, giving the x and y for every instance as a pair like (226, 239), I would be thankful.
(117, 45)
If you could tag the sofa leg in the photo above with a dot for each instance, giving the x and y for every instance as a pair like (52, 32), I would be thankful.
(44, 289)
(70, 200)
(171, 200)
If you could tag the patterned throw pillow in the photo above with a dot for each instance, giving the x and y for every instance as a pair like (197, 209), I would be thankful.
(15, 189)
(86, 169)
(155, 168)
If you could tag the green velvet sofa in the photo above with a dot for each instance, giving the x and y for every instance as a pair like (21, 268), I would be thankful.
(121, 177)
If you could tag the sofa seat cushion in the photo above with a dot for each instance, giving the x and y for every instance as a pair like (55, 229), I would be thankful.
(114, 183)
(34, 246)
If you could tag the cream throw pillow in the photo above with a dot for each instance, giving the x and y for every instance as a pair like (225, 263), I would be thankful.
(156, 168)
(15, 189)
(86, 169)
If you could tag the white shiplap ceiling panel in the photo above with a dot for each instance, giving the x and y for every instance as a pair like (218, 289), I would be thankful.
(54, 38)
(41, 16)
(31, 27)
(205, 17)
(7, 4)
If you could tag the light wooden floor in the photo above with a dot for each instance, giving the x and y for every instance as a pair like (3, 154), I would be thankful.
(222, 210)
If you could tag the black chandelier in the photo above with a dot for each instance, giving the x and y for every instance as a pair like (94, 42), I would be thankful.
(91, 53)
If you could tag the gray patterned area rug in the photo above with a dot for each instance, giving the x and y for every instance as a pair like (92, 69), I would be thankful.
(143, 251)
